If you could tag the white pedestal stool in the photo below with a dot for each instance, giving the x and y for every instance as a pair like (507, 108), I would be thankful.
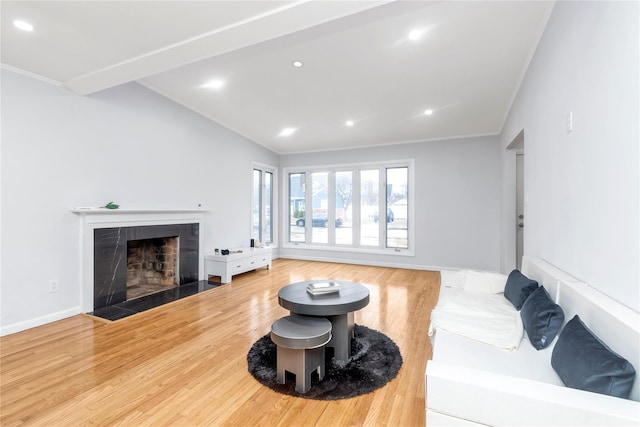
(301, 342)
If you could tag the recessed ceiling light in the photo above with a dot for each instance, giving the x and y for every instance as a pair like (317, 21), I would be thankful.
(287, 131)
(349, 123)
(297, 64)
(214, 84)
(25, 26)
(415, 34)
(428, 112)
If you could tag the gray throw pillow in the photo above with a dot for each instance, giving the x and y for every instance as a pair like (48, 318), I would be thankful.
(518, 288)
(584, 362)
(542, 318)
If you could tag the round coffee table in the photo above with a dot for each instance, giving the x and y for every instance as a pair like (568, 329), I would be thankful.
(337, 307)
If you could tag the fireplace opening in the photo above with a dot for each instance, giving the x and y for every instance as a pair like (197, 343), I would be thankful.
(152, 266)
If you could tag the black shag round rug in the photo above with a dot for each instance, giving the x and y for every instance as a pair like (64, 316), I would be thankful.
(375, 360)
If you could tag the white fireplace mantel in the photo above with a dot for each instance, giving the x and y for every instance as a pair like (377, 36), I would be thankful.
(95, 218)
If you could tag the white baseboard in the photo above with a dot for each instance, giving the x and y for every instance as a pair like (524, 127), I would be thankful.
(38, 321)
(365, 262)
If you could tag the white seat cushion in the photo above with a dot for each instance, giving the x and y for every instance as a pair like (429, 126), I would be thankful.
(526, 362)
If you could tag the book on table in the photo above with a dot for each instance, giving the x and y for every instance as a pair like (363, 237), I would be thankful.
(320, 288)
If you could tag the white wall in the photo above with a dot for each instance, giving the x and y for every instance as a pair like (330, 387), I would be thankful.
(583, 187)
(457, 202)
(127, 145)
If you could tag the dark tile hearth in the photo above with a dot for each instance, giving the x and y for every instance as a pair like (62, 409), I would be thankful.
(127, 308)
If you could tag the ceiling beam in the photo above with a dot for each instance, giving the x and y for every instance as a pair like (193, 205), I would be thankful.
(292, 17)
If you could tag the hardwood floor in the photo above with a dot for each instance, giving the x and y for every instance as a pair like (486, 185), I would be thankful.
(184, 364)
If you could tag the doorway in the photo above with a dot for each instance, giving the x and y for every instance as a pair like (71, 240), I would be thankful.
(517, 147)
(519, 209)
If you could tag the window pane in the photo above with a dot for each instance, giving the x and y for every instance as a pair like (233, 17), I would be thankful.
(397, 203)
(268, 208)
(369, 229)
(344, 217)
(320, 210)
(256, 217)
(296, 207)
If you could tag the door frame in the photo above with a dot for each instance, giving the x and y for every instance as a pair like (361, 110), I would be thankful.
(519, 214)
(517, 148)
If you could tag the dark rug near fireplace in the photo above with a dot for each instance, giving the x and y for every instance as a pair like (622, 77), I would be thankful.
(137, 305)
(375, 360)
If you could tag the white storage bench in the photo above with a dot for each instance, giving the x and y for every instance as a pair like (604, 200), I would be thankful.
(226, 266)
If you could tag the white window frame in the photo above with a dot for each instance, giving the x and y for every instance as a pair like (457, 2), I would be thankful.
(355, 246)
(264, 168)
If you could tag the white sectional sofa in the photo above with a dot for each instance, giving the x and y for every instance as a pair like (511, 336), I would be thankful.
(469, 382)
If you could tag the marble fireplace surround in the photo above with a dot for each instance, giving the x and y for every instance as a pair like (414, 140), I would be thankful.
(93, 219)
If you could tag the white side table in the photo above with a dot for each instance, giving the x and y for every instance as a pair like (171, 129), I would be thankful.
(226, 266)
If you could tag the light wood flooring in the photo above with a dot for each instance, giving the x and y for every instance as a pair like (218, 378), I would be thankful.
(184, 363)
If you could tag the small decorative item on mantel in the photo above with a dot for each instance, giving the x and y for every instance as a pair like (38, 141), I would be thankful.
(111, 205)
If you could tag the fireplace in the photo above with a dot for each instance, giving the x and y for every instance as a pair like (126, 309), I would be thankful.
(152, 266)
(104, 277)
(130, 262)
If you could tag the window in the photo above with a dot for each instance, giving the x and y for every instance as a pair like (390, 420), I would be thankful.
(369, 207)
(397, 182)
(262, 204)
(268, 196)
(320, 207)
(363, 206)
(344, 211)
(297, 210)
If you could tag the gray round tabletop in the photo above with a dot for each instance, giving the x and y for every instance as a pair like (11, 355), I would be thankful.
(352, 297)
(301, 332)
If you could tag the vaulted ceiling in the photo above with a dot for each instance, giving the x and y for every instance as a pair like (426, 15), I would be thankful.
(368, 73)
